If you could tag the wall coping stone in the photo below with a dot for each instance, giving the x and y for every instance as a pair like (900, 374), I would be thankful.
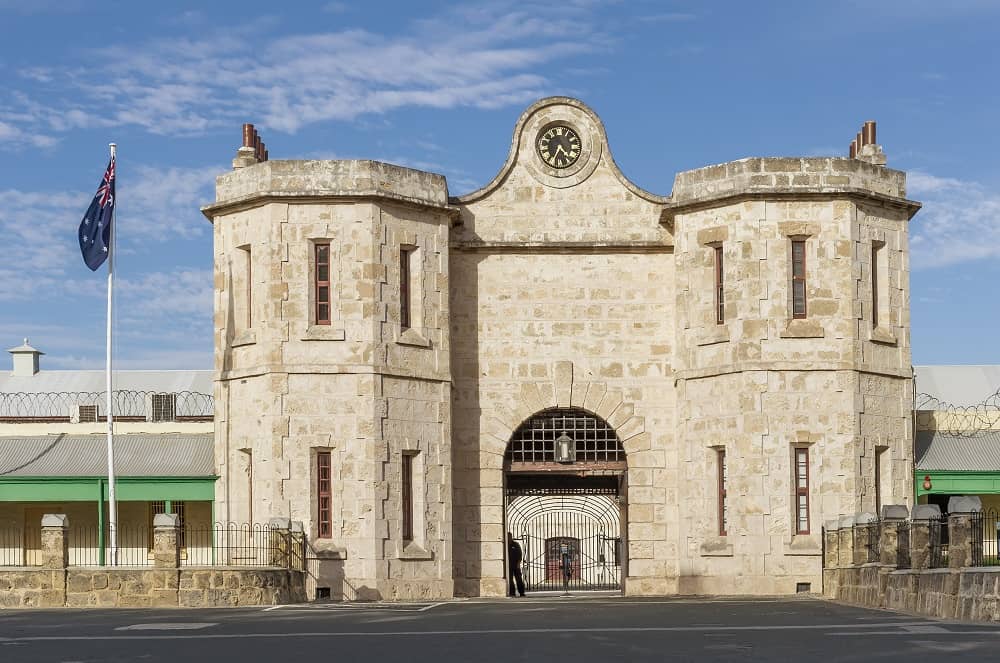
(895, 512)
(926, 512)
(831, 525)
(168, 520)
(846, 522)
(55, 520)
(298, 526)
(280, 523)
(864, 518)
(965, 504)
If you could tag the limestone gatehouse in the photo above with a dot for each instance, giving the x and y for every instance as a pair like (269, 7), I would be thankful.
(662, 394)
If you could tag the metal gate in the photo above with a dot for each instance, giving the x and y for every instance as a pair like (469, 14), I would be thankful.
(570, 541)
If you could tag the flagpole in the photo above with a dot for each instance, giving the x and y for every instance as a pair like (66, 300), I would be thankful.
(112, 501)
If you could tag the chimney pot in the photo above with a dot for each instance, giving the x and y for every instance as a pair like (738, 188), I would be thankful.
(869, 132)
(248, 132)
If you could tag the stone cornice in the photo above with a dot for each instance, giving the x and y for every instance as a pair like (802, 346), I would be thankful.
(319, 197)
(564, 247)
(770, 193)
(797, 366)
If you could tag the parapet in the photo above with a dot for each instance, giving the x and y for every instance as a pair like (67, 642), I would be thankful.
(285, 180)
(788, 177)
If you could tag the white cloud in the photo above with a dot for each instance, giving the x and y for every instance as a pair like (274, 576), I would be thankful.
(482, 56)
(959, 222)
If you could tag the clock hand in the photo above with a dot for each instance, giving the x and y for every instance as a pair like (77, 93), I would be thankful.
(558, 148)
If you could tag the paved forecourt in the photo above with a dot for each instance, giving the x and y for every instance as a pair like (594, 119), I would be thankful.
(581, 629)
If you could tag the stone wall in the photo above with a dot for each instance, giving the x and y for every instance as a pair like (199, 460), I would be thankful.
(165, 585)
(955, 591)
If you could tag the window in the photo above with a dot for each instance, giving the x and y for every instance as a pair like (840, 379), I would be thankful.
(720, 299)
(883, 480)
(723, 480)
(87, 414)
(407, 496)
(875, 270)
(164, 407)
(798, 278)
(801, 491)
(243, 286)
(321, 272)
(324, 529)
(404, 287)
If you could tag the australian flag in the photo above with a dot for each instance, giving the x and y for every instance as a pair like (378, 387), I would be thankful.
(95, 229)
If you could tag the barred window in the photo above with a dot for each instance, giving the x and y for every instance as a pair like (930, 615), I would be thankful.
(324, 529)
(534, 441)
(801, 491)
(164, 407)
(321, 271)
(723, 480)
(404, 287)
(407, 496)
(798, 278)
(720, 297)
(87, 414)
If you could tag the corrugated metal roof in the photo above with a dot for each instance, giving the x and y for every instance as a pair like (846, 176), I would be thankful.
(56, 381)
(138, 455)
(958, 385)
(975, 452)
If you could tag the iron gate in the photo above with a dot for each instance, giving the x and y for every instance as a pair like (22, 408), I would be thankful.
(570, 541)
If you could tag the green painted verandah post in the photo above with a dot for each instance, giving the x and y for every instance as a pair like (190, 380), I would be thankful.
(100, 522)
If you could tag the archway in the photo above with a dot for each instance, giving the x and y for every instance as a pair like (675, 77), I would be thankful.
(566, 506)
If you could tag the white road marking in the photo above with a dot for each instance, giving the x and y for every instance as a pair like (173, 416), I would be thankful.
(168, 626)
(926, 628)
(861, 629)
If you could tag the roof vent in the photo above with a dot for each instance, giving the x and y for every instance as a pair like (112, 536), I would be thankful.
(25, 360)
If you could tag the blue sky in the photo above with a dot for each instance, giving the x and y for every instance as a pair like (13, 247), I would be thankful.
(438, 86)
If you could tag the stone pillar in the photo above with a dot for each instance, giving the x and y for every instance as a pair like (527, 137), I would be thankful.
(963, 538)
(280, 542)
(862, 524)
(892, 516)
(831, 543)
(55, 542)
(920, 534)
(166, 544)
(846, 544)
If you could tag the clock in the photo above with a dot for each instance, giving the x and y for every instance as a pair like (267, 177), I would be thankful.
(558, 146)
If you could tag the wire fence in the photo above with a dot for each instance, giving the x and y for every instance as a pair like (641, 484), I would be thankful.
(91, 406)
(232, 544)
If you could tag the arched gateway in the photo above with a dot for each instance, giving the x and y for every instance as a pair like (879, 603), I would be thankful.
(565, 472)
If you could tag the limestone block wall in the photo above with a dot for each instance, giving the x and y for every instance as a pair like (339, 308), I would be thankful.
(361, 388)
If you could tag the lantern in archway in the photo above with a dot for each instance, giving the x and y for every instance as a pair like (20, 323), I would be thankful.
(565, 451)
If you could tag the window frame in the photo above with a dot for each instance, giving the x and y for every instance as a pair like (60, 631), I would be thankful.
(875, 270)
(722, 478)
(318, 283)
(324, 492)
(406, 497)
(799, 281)
(801, 491)
(720, 294)
(405, 288)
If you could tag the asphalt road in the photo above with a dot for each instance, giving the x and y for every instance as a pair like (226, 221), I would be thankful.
(533, 629)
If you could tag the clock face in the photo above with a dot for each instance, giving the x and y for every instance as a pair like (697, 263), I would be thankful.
(559, 146)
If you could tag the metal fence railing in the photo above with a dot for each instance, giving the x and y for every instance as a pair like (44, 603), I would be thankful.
(938, 557)
(19, 546)
(874, 534)
(985, 534)
(218, 544)
(903, 544)
(232, 544)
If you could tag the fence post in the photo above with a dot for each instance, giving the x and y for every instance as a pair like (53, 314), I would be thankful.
(920, 534)
(962, 536)
(55, 542)
(892, 516)
(281, 543)
(862, 544)
(166, 546)
(846, 543)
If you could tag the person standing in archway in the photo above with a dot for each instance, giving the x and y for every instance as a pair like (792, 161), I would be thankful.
(514, 557)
